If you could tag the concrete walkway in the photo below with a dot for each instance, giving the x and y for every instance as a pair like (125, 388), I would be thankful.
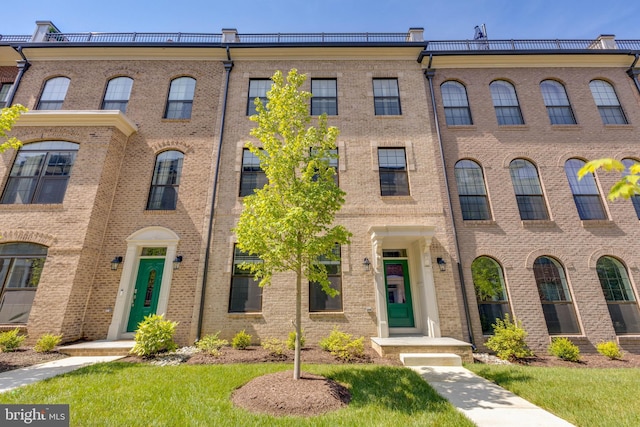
(483, 402)
(19, 377)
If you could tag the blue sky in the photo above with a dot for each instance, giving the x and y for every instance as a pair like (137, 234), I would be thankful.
(442, 20)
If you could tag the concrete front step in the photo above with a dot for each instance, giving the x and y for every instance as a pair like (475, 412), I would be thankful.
(430, 359)
(395, 345)
(98, 348)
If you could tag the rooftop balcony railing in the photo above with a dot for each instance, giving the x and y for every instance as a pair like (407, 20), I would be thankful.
(8, 38)
(513, 45)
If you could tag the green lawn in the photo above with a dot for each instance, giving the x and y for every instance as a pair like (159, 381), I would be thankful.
(124, 394)
(584, 397)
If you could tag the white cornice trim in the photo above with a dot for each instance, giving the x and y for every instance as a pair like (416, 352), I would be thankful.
(112, 118)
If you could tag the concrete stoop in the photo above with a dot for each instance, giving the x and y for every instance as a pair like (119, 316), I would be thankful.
(98, 348)
(414, 344)
(430, 359)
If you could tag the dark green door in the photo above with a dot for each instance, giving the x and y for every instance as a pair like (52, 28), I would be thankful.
(398, 287)
(146, 292)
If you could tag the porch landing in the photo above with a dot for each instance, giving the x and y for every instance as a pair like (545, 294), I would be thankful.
(98, 348)
(395, 345)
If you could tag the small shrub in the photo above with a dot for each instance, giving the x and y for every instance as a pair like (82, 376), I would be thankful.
(343, 346)
(564, 349)
(11, 340)
(274, 346)
(211, 344)
(291, 341)
(47, 343)
(241, 341)
(508, 340)
(154, 335)
(610, 349)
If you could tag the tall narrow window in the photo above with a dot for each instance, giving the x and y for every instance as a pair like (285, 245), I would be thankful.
(392, 165)
(5, 88)
(333, 163)
(246, 294)
(472, 191)
(325, 97)
(635, 199)
(386, 97)
(621, 301)
(166, 180)
(555, 297)
(318, 299)
(40, 173)
(505, 103)
(117, 95)
(53, 94)
(21, 266)
(491, 293)
(585, 192)
(526, 185)
(607, 102)
(456, 104)
(251, 177)
(180, 99)
(557, 103)
(258, 88)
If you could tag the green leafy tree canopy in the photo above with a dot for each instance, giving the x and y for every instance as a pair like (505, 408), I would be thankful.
(626, 187)
(8, 117)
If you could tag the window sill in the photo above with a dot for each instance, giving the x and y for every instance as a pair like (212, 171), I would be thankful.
(479, 222)
(513, 127)
(398, 199)
(462, 127)
(326, 313)
(388, 116)
(244, 315)
(596, 223)
(625, 127)
(566, 127)
(32, 207)
(159, 211)
(176, 120)
(537, 223)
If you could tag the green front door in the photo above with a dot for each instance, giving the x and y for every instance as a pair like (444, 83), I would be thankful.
(398, 288)
(146, 292)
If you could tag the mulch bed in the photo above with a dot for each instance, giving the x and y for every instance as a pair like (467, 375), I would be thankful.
(24, 357)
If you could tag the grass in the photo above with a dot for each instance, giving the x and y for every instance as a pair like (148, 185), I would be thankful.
(584, 397)
(118, 394)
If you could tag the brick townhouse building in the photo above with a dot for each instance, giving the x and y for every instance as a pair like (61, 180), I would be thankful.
(458, 161)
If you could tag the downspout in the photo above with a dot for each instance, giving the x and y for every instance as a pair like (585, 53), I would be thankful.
(228, 65)
(429, 73)
(23, 66)
(633, 72)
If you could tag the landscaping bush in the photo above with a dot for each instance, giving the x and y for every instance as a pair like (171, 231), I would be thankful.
(154, 335)
(564, 349)
(291, 341)
(508, 340)
(241, 341)
(11, 340)
(211, 344)
(610, 349)
(47, 343)
(342, 345)
(274, 346)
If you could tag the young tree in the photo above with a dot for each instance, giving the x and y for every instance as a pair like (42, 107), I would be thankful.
(289, 222)
(627, 186)
(8, 117)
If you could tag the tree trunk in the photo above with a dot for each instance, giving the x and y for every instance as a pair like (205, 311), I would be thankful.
(298, 324)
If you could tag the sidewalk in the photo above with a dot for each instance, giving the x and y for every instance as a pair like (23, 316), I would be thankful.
(19, 377)
(483, 402)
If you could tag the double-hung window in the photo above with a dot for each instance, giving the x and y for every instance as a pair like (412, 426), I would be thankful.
(245, 295)
(456, 104)
(607, 102)
(471, 190)
(252, 176)
(40, 173)
(5, 88)
(585, 191)
(526, 184)
(392, 165)
(325, 97)
(617, 290)
(258, 88)
(117, 94)
(386, 97)
(491, 293)
(557, 103)
(180, 99)
(319, 300)
(553, 290)
(163, 194)
(505, 102)
(53, 94)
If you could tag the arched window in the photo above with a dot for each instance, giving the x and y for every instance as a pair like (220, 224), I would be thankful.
(471, 191)
(40, 173)
(491, 293)
(526, 185)
(506, 103)
(117, 95)
(53, 94)
(21, 266)
(607, 101)
(555, 297)
(585, 191)
(555, 99)
(635, 199)
(180, 98)
(619, 295)
(456, 104)
(166, 180)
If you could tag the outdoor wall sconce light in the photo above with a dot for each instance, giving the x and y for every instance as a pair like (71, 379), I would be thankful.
(116, 262)
(366, 264)
(176, 262)
(441, 264)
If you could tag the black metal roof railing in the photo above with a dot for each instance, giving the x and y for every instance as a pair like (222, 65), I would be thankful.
(5, 38)
(480, 45)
